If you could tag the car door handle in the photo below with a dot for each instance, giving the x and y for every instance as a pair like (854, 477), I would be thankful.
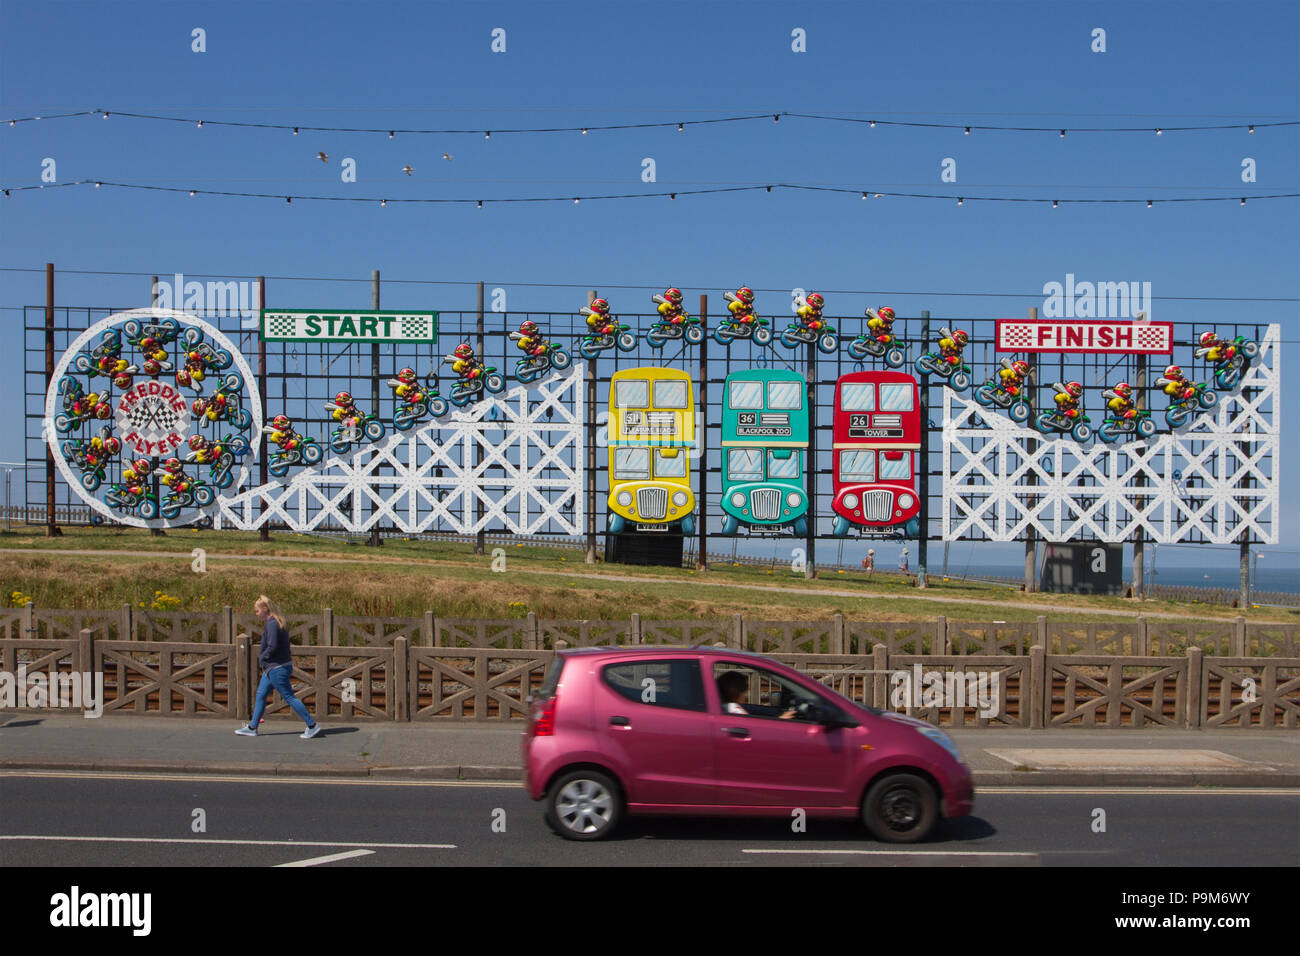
(736, 732)
(620, 721)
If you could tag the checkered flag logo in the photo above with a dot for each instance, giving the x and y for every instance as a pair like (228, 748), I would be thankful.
(415, 327)
(278, 325)
(1154, 337)
(1016, 337)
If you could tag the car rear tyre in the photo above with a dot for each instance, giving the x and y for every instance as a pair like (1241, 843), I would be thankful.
(584, 805)
(900, 808)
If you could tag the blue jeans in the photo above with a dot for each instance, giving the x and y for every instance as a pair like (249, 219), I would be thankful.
(278, 677)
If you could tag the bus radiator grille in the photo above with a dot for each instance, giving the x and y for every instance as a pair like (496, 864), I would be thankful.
(877, 505)
(765, 505)
(652, 503)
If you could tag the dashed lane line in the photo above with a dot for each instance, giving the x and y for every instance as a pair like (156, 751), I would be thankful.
(333, 857)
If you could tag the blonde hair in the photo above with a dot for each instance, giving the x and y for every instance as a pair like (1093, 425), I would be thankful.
(272, 609)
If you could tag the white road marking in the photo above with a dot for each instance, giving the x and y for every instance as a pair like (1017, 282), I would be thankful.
(1189, 790)
(318, 860)
(99, 839)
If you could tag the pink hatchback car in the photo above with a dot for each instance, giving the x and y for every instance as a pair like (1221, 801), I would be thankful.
(715, 732)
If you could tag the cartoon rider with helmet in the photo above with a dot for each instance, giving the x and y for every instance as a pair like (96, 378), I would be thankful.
(464, 363)
(1121, 401)
(880, 322)
(1176, 386)
(810, 311)
(1067, 399)
(670, 307)
(1012, 376)
(282, 433)
(741, 306)
(406, 387)
(529, 339)
(951, 345)
(344, 410)
(598, 317)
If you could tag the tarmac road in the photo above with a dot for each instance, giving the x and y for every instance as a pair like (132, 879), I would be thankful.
(52, 818)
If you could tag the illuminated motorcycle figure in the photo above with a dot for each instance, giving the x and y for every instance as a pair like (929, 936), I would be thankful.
(80, 406)
(674, 321)
(355, 426)
(92, 456)
(414, 401)
(1185, 397)
(201, 359)
(1068, 416)
(185, 492)
(742, 321)
(540, 356)
(606, 331)
(1125, 417)
(947, 363)
(879, 341)
(293, 449)
(152, 339)
(811, 329)
(1006, 390)
(474, 376)
(132, 494)
(224, 405)
(1231, 357)
(220, 457)
(106, 359)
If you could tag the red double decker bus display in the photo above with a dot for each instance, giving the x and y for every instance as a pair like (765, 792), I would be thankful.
(877, 432)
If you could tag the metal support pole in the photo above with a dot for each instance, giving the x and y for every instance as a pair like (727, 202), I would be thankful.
(1244, 596)
(1139, 558)
(51, 529)
(480, 541)
(375, 539)
(1032, 479)
(923, 542)
(701, 559)
(591, 452)
(263, 533)
(810, 541)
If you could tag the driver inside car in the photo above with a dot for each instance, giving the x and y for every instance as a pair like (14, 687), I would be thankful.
(733, 686)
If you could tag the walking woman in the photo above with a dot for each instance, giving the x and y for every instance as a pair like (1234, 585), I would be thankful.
(277, 666)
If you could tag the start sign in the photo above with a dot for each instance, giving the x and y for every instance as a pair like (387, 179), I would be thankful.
(304, 325)
(1052, 335)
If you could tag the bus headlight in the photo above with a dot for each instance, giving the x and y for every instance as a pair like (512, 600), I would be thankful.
(624, 498)
(680, 498)
(738, 500)
(906, 501)
(793, 499)
(850, 501)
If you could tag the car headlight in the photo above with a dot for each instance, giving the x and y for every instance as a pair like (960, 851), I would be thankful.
(680, 498)
(850, 501)
(793, 499)
(942, 739)
(624, 498)
(738, 500)
(906, 501)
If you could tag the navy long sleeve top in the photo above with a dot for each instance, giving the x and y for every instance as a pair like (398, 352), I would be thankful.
(275, 645)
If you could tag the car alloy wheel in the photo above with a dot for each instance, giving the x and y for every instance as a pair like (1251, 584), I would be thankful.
(584, 805)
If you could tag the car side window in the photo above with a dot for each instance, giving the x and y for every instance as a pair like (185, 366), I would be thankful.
(758, 692)
(675, 684)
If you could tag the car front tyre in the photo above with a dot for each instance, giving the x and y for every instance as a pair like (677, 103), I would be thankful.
(584, 805)
(900, 808)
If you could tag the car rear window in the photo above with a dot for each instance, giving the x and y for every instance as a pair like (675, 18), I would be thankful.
(674, 684)
(552, 679)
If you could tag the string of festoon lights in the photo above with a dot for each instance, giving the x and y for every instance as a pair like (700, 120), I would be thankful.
(672, 196)
(775, 117)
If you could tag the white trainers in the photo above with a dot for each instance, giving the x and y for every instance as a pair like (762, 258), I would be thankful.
(310, 732)
(246, 731)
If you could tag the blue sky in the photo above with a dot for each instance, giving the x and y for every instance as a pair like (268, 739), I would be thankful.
(430, 65)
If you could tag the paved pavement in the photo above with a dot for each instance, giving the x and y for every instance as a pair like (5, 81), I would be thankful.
(490, 751)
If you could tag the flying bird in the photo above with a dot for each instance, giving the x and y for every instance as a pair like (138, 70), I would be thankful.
(322, 157)
(408, 169)
(447, 156)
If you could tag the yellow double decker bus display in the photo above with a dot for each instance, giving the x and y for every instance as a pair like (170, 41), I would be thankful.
(651, 440)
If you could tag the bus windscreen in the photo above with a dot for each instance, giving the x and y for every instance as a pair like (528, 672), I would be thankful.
(858, 396)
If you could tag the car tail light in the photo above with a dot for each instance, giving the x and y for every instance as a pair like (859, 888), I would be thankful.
(544, 718)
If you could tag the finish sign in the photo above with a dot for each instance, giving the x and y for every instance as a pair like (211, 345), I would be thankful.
(303, 325)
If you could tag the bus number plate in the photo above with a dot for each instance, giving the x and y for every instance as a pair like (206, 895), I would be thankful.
(762, 431)
(652, 527)
(875, 432)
